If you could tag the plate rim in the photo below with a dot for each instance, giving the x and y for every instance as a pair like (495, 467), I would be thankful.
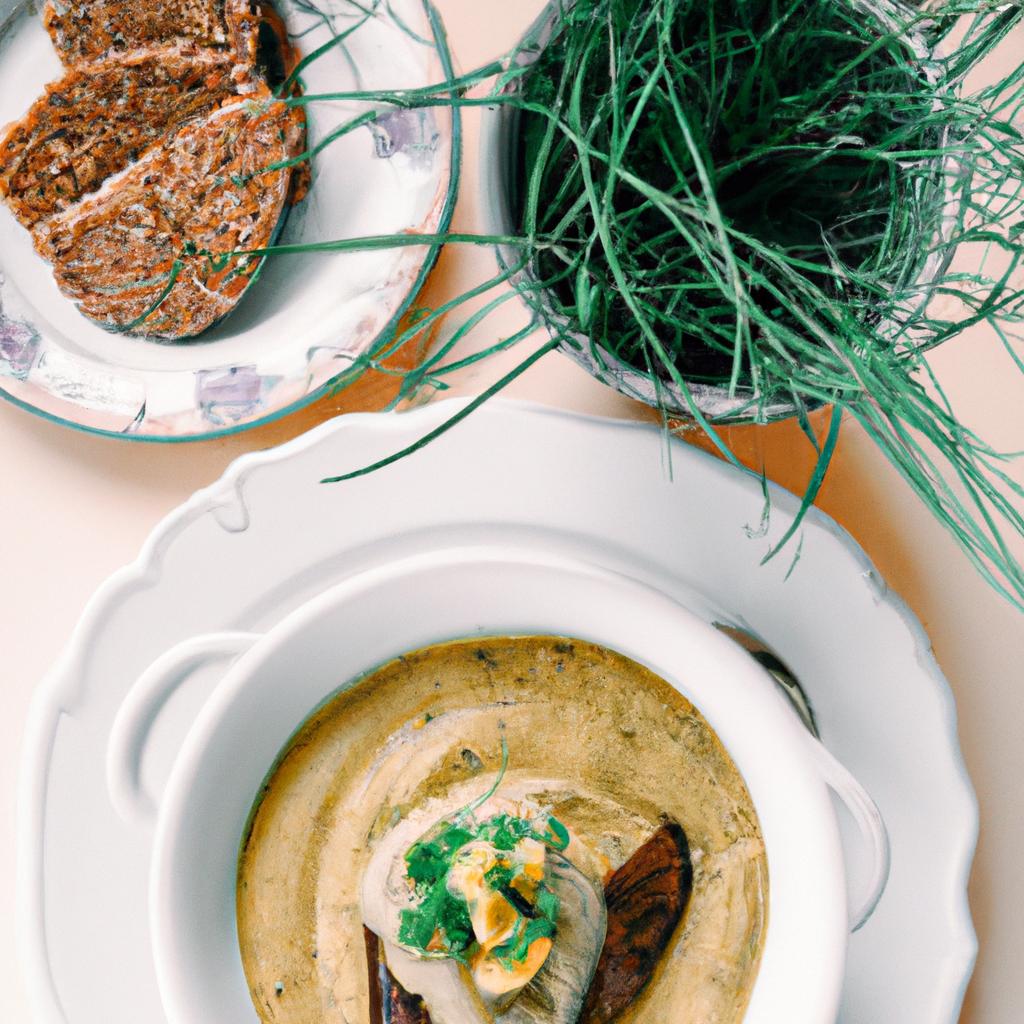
(57, 688)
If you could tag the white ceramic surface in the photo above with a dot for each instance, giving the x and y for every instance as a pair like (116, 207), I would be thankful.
(246, 552)
(310, 314)
(485, 591)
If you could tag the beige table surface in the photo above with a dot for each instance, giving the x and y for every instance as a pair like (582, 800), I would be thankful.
(74, 508)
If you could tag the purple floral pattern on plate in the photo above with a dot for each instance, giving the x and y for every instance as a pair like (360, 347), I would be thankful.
(229, 395)
(412, 132)
(19, 346)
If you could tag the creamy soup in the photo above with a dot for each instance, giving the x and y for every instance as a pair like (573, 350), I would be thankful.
(609, 863)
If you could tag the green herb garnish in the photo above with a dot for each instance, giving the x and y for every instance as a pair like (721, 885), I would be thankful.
(440, 925)
(516, 950)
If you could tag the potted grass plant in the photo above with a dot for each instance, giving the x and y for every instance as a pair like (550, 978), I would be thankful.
(741, 210)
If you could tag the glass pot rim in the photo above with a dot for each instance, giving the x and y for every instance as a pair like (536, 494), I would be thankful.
(499, 153)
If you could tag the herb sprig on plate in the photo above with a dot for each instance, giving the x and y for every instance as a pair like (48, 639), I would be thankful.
(440, 925)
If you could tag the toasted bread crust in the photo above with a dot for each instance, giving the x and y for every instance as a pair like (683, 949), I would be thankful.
(149, 164)
(87, 30)
(98, 119)
(150, 253)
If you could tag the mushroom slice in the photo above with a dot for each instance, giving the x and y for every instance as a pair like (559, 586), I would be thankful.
(646, 899)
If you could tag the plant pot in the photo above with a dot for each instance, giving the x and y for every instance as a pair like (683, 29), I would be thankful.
(500, 178)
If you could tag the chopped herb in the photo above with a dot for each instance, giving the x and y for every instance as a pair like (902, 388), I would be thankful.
(500, 877)
(430, 861)
(518, 949)
(440, 925)
(548, 905)
(456, 925)
(419, 926)
(557, 835)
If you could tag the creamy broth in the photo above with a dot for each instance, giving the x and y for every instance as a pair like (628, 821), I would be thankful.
(610, 748)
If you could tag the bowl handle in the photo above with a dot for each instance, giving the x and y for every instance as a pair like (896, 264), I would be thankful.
(870, 824)
(140, 709)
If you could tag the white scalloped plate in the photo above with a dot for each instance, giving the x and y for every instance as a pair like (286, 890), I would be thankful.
(269, 535)
(310, 315)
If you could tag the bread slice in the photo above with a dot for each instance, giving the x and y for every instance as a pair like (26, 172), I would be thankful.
(87, 30)
(99, 119)
(155, 251)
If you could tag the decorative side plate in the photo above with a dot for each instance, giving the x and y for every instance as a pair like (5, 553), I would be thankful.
(311, 314)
